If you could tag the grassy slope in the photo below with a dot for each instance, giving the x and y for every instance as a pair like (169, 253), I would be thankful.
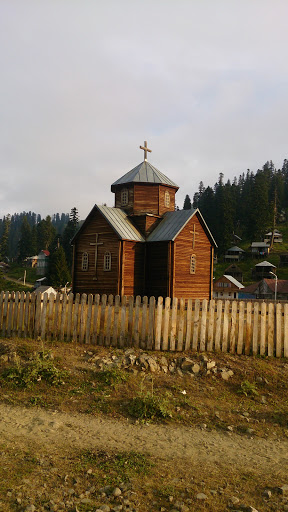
(248, 263)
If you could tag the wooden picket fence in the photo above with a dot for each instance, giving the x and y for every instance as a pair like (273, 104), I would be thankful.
(241, 327)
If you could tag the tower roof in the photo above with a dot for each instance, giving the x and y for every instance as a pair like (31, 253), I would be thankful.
(144, 173)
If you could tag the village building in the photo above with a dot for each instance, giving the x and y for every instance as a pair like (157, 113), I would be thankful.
(263, 269)
(265, 289)
(42, 262)
(234, 271)
(226, 287)
(273, 237)
(234, 254)
(260, 249)
(142, 246)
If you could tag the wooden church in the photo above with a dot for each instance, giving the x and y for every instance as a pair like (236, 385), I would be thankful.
(142, 246)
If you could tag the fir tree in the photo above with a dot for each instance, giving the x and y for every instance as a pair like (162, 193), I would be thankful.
(58, 274)
(187, 203)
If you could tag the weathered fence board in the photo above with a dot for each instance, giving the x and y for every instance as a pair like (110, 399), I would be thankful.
(216, 325)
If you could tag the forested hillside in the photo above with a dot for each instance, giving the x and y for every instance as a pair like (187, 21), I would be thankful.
(249, 206)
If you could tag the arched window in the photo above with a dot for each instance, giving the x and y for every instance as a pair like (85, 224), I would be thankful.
(193, 264)
(124, 197)
(107, 261)
(84, 265)
(167, 199)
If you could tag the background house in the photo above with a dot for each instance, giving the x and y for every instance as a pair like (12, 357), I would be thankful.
(263, 269)
(226, 287)
(234, 271)
(260, 249)
(234, 254)
(265, 289)
(42, 262)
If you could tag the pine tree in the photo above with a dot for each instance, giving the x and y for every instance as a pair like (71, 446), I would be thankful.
(58, 274)
(25, 242)
(68, 234)
(4, 243)
(187, 203)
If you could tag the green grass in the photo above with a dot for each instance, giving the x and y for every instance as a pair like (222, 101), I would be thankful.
(16, 271)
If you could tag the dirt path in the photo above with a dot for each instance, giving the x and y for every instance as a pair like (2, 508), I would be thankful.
(55, 430)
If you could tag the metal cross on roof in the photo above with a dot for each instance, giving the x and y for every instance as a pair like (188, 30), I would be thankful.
(145, 148)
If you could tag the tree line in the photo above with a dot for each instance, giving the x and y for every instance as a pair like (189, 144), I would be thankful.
(26, 234)
(248, 207)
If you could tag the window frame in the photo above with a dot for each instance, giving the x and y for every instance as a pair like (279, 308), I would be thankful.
(107, 259)
(193, 264)
(85, 262)
(124, 197)
(167, 199)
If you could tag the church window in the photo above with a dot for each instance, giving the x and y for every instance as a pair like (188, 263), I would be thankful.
(84, 265)
(124, 197)
(193, 264)
(167, 199)
(107, 261)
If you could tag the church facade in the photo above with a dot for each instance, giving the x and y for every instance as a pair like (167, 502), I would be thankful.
(142, 246)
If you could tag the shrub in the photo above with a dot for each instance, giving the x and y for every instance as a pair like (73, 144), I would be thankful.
(28, 374)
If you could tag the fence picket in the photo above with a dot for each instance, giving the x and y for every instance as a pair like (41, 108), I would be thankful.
(144, 322)
(116, 321)
(109, 320)
(151, 322)
(130, 319)
(166, 323)
(2, 294)
(189, 324)
(123, 321)
(69, 316)
(196, 324)
(76, 318)
(44, 316)
(270, 329)
(278, 330)
(56, 317)
(173, 323)
(136, 330)
(15, 315)
(218, 326)
(5, 311)
(240, 329)
(263, 329)
(158, 323)
(82, 317)
(233, 327)
(102, 318)
(225, 326)
(89, 318)
(10, 314)
(210, 336)
(285, 330)
(255, 329)
(203, 326)
(95, 319)
(248, 328)
(21, 314)
(63, 316)
(26, 314)
(181, 324)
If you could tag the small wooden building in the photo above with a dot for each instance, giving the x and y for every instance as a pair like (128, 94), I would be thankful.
(234, 254)
(265, 289)
(226, 287)
(263, 269)
(260, 249)
(142, 246)
(234, 271)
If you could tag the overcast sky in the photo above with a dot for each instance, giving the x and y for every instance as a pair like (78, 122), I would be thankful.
(85, 82)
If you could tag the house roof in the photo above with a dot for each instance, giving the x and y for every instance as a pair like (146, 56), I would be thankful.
(235, 249)
(260, 244)
(118, 220)
(282, 286)
(234, 281)
(171, 225)
(45, 289)
(265, 264)
(144, 173)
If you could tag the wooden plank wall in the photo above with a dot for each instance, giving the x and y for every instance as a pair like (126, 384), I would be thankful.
(250, 328)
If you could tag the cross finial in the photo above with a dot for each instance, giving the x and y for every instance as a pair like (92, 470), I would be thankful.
(145, 148)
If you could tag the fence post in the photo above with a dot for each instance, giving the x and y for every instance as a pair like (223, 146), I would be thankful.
(151, 322)
(158, 323)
